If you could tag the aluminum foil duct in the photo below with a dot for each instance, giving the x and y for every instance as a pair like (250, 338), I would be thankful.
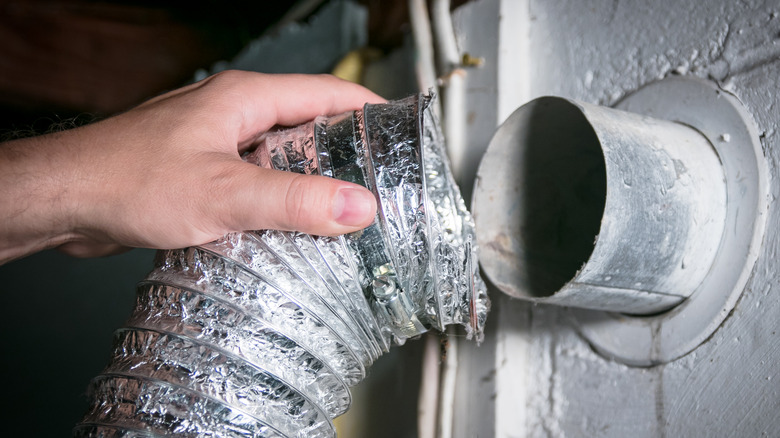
(261, 333)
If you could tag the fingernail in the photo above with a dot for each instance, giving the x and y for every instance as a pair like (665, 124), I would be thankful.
(353, 207)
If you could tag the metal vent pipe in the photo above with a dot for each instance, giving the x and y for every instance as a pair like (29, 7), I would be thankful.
(592, 207)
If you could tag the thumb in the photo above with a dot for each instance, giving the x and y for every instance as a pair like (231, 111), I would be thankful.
(260, 198)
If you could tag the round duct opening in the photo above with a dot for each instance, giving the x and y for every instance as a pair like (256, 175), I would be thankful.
(684, 208)
(549, 212)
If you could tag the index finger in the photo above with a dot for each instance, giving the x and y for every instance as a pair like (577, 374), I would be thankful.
(267, 100)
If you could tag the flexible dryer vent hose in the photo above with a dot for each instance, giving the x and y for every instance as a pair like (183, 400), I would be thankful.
(260, 334)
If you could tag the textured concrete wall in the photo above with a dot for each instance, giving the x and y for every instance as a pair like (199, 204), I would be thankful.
(536, 376)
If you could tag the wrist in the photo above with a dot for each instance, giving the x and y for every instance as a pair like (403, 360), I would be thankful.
(36, 199)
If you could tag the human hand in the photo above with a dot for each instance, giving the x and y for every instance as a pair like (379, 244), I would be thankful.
(168, 173)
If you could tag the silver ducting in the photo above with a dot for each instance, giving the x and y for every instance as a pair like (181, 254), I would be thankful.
(602, 209)
(260, 334)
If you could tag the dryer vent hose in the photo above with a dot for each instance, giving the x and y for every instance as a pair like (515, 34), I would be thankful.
(261, 333)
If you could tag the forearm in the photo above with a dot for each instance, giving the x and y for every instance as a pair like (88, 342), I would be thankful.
(36, 188)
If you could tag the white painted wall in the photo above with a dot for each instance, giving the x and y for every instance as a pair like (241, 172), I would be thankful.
(534, 375)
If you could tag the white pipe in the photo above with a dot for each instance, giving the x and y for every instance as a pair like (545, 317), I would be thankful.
(423, 45)
(427, 403)
(448, 383)
(448, 55)
(452, 79)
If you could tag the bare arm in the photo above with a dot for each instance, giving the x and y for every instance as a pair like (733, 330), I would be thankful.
(168, 173)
